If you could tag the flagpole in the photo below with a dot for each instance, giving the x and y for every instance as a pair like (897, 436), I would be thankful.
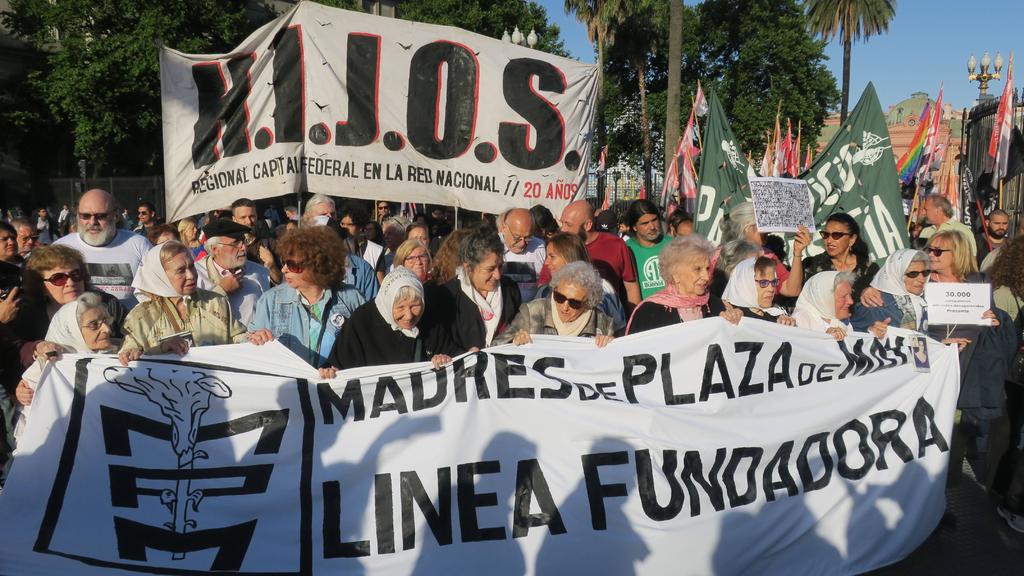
(696, 123)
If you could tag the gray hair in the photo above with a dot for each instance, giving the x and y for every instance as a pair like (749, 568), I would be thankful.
(683, 249)
(943, 203)
(737, 221)
(399, 222)
(211, 243)
(406, 293)
(919, 256)
(581, 274)
(90, 301)
(477, 245)
(317, 199)
(844, 278)
(734, 252)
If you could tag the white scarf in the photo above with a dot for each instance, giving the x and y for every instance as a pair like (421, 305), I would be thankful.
(816, 306)
(389, 289)
(489, 306)
(151, 276)
(890, 279)
(64, 330)
(572, 328)
(741, 291)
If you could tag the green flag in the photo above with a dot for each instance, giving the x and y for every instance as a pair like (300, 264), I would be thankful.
(856, 174)
(723, 180)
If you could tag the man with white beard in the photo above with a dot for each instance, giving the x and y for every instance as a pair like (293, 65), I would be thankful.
(112, 256)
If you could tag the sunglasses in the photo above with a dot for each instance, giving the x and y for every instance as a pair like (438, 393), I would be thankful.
(834, 235)
(562, 299)
(94, 216)
(937, 252)
(296, 267)
(61, 278)
(916, 273)
(766, 283)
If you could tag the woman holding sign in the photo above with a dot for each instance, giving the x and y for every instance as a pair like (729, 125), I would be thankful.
(685, 265)
(741, 224)
(751, 289)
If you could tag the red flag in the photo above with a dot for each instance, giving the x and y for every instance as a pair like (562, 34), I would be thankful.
(779, 160)
(794, 153)
(810, 157)
(999, 144)
(601, 159)
(931, 140)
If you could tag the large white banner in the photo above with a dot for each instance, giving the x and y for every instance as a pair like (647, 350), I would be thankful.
(697, 449)
(343, 103)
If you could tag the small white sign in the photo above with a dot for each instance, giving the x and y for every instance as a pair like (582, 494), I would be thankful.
(781, 204)
(958, 303)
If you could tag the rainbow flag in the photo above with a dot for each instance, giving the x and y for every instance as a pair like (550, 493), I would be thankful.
(907, 165)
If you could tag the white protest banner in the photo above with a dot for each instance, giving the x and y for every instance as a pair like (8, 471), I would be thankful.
(958, 302)
(344, 103)
(781, 204)
(697, 449)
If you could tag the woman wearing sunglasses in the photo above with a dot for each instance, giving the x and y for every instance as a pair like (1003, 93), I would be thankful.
(306, 312)
(177, 314)
(568, 310)
(685, 264)
(751, 289)
(55, 276)
(900, 284)
(845, 251)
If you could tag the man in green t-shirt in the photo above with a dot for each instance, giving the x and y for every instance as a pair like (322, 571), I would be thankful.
(646, 241)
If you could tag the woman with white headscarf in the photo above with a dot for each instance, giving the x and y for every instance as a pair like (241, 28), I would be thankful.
(82, 326)
(901, 283)
(178, 314)
(751, 289)
(824, 304)
(388, 329)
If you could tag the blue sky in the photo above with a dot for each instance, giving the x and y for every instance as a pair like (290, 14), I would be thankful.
(929, 42)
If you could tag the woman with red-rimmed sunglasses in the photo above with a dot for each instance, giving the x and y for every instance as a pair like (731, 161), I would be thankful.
(54, 276)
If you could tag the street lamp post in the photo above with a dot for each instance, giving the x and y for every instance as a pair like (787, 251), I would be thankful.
(983, 77)
(517, 37)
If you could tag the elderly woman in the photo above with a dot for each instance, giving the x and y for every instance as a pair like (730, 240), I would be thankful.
(740, 224)
(82, 326)
(751, 290)
(845, 251)
(824, 304)
(414, 255)
(479, 303)
(564, 248)
(177, 314)
(307, 311)
(569, 309)
(901, 285)
(55, 276)
(389, 330)
(685, 264)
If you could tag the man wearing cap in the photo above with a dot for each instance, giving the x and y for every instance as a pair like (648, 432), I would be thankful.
(226, 270)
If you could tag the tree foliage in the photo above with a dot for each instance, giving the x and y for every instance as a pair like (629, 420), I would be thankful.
(489, 17)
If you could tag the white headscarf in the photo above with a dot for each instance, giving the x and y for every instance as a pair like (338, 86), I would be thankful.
(389, 288)
(741, 291)
(64, 330)
(816, 307)
(890, 279)
(151, 276)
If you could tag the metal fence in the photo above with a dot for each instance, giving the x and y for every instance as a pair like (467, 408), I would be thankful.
(975, 186)
(128, 191)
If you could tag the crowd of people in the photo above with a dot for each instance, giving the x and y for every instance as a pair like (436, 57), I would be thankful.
(345, 289)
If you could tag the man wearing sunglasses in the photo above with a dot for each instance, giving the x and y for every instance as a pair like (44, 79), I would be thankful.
(939, 213)
(524, 253)
(112, 256)
(147, 218)
(226, 270)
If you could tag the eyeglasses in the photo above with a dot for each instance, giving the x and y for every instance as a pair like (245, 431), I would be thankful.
(562, 299)
(517, 239)
(61, 278)
(825, 235)
(86, 216)
(420, 258)
(766, 283)
(916, 273)
(95, 325)
(937, 252)
(294, 266)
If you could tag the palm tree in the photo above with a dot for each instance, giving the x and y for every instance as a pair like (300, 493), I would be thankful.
(599, 16)
(675, 64)
(850, 20)
(637, 36)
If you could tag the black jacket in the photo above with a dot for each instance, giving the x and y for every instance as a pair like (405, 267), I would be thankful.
(366, 339)
(651, 315)
(462, 316)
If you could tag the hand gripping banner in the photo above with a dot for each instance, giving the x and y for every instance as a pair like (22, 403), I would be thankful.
(343, 103)
(698, 449)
